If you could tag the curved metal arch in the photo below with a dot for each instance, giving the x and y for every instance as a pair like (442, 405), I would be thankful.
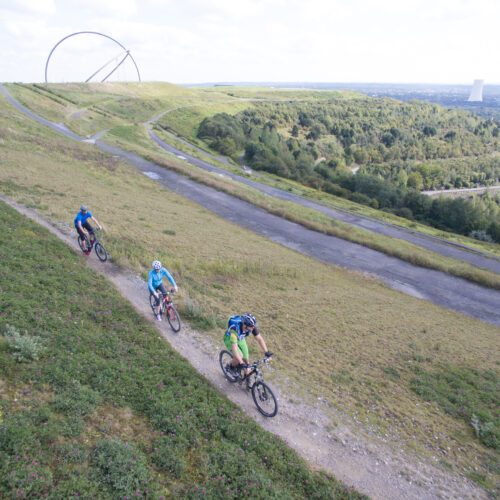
(89, 33)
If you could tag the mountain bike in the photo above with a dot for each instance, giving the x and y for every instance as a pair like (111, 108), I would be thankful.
(167, 309)
(262, 395)
(86, 244)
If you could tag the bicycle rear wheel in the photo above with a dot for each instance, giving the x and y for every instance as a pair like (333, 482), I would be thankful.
(173, 318)
(225, 358)
(264, 399)
(84, 244)
(101, 252)
(152, 303)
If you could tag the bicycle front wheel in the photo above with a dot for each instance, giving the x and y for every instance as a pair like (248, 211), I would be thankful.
(225, 358)
(101, 252)
(173, 318)
(264, 399)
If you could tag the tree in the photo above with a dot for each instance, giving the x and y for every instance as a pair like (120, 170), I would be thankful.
(429, 130)
(415, 181)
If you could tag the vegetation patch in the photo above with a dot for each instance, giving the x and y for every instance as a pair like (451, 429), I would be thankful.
(469, 394)
(123, 468)
(324, 319)
(95, 362)
(25, 347)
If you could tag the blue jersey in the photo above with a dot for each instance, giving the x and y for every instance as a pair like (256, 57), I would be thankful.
(155, 278)
(235, 328)
(82, 217)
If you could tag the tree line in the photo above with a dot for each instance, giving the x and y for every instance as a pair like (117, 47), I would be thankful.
(397, 149)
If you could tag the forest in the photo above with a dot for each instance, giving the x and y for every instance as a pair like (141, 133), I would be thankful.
(379, 152)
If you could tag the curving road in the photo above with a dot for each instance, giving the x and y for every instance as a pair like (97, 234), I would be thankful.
(448, 291)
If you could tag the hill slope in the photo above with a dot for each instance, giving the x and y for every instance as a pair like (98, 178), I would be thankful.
(373, 342)
(98, 405)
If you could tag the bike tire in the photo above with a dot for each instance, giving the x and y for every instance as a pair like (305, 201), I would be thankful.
(264, 399)
(84, 244)
(152, 303)
(225, 358)
(100, 251)
(173, 318)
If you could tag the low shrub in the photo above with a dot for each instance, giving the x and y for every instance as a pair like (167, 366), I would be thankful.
(76, 400)
(71, 453)
(121, 467)
(168, 455)
(24, 478)
(26, 347)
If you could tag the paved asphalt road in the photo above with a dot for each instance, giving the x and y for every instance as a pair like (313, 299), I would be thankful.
(437, 245)
(440, 288)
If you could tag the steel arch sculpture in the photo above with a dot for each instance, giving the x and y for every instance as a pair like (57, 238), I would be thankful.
(127, 54)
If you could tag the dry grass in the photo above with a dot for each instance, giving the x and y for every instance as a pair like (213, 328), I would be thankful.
(90, 108)
(135, 139)
(337, 334)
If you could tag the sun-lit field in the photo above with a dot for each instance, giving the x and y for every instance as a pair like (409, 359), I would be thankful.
(94, 404)
(389, 361)
(121, 109)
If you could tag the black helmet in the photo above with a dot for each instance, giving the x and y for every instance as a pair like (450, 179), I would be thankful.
(248, 319)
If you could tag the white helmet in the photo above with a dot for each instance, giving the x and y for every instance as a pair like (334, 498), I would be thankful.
(156, 265)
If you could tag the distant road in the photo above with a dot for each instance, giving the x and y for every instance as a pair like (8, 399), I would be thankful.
(448, 291)
(461, 192)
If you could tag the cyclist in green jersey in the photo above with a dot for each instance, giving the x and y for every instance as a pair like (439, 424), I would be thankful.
(238, 329)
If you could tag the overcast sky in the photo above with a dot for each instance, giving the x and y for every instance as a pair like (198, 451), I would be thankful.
(181, 41)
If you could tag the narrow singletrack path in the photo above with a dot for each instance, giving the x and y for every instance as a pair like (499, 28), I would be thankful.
(357, 459)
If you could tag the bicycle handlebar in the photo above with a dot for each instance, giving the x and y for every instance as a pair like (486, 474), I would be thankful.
(264, 360)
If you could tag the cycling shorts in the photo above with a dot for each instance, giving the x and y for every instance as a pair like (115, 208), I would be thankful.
(242, 346)
(163, 290)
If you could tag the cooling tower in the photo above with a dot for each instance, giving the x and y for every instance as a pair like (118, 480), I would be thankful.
(476, 94)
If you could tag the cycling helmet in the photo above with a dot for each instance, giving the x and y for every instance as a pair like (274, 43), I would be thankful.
(156, 265)
(248, 319)
(83, 208)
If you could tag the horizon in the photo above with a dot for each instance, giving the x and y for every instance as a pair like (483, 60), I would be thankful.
(273, 82)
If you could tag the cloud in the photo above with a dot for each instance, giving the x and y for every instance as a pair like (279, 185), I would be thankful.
(32, 7)
(121, 9)
(203, 40)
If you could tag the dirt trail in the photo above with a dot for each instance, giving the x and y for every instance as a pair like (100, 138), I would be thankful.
(361, 461)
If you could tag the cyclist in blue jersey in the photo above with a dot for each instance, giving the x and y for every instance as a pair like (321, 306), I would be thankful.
(155, 283)
(82, 222)
(238, 329)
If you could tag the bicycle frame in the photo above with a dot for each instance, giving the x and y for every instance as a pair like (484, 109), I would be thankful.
(254, 370)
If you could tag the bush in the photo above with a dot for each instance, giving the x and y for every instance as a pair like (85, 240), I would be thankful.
(76, 400)
(25, 478)
(71, 453)
(121, 467)
(481, 235)
(168, 455)
(485, 431)
(26, 347)
(405, 212)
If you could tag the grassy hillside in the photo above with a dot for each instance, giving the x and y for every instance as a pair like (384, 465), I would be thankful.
(356, 343)
(185, 109)
(93, 403)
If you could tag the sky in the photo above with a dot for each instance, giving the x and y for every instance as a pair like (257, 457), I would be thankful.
(195, 41)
